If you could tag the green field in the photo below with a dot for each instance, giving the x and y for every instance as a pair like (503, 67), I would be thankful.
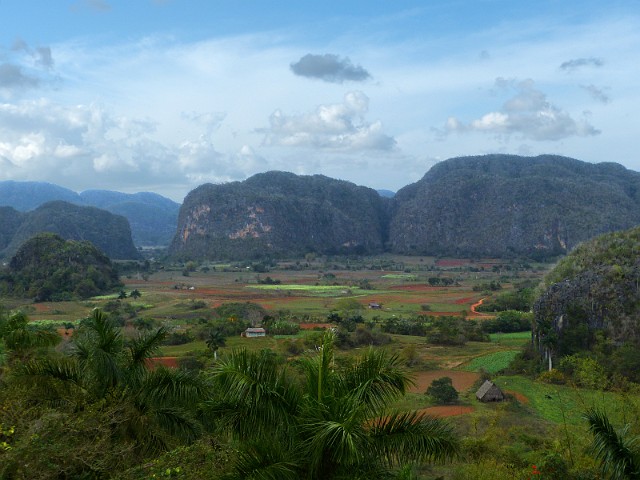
(493, 362)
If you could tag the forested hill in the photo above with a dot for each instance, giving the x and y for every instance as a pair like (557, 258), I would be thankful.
(493, 205)
(279, 213)
(497, 205)
(592, 302)
(108, 232)
(152, 217)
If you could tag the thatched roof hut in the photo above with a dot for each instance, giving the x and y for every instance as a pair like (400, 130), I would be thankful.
(489, 392)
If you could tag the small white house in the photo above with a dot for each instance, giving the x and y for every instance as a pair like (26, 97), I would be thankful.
(254, 332)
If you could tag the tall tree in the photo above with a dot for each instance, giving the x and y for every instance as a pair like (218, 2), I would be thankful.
(331, 424)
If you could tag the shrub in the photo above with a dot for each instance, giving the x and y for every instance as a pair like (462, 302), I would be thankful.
(442, 392)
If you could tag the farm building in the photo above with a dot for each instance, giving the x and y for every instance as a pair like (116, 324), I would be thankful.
(254, 332)
(489, 392)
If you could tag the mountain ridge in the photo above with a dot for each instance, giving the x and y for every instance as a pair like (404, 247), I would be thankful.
(152, 217)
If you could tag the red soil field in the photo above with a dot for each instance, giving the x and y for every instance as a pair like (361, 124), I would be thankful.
(463, 301)
(170, 362)
(518, 396)
(461, 380)
(447, 410)
(451, 263)
(416, 288)
(313, 326)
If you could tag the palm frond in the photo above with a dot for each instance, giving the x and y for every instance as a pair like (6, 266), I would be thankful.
(330, 443)
(376, 380)
(257, 385)
(64, 369)
(618, 456)
(108, 336)
(143, 347)
(318, 369)
(264, 460)
(177, 422)
(164, 386)
(408, 436)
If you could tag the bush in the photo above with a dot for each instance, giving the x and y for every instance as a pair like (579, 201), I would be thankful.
(442, 392)
(178, 338)
(552, 376)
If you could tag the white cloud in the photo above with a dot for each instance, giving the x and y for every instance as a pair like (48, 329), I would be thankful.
(340, 126)
(526, 115)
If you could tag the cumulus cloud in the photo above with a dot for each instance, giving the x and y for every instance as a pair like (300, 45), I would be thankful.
(334, 127)
(597, 93)
(576, 63)
(528, 115)
(42, 140)
(329, 68)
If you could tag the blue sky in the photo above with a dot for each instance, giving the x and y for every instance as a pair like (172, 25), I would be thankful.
(164, 95)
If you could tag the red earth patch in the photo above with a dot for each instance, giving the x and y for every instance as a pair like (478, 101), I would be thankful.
(313, 326)
(461, 380)
(169, 362)
(447, 410)
(518, 396)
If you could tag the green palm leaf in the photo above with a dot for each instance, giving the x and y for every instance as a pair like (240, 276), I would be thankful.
(264, 460)
(406, 436)
(617, 454)
(255, 385)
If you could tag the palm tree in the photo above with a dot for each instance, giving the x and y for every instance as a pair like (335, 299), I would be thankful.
(618, 454)
(214, 341)
(158, 406)
(331, 424)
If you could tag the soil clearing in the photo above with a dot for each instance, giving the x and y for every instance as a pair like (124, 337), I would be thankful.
(170, 362)
(461, 381)
(447, 410)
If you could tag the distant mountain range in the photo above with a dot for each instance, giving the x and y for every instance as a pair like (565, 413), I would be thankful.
(107, 231)
(484, 206)
(152, 217)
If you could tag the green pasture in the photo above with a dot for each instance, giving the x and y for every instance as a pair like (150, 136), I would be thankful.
(315, 290)
(492, 362)
(399, 276)
(561, 403)
(514, 339)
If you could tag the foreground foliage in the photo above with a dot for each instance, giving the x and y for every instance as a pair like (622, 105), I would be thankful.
(100, 402)
(329, 423)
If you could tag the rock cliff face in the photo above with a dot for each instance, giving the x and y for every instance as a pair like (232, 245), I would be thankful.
(109, 232)
(594, 289)
(278, 213)
(488, 206)
(500, 205)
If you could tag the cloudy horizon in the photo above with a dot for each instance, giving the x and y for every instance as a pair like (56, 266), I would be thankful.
(164, 96)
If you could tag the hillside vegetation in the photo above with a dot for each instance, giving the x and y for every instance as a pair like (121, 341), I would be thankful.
(279, 213)
(152, 217)
(109, 232)
(592, 303)
(47, 267)
(492, 206)
(501, 205)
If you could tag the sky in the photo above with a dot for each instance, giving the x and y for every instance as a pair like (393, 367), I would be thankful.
(165, 95)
